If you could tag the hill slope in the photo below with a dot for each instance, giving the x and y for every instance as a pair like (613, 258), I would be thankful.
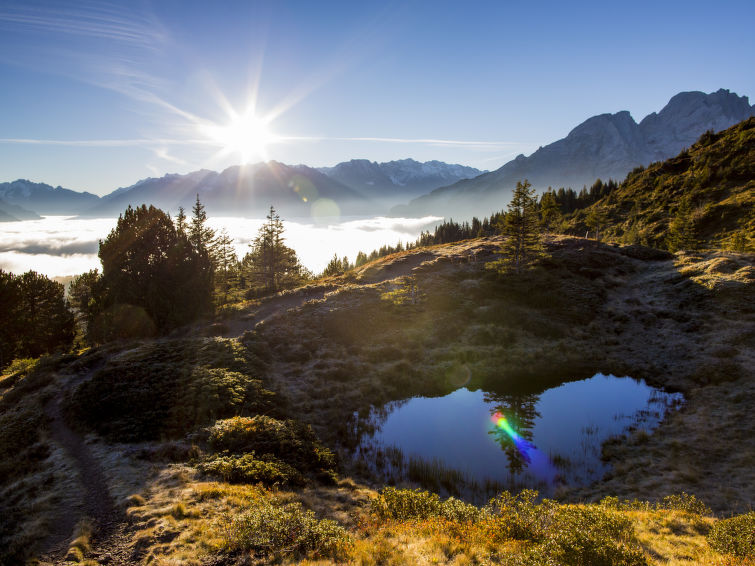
(604, 146)
(715, 176)
(183, 470)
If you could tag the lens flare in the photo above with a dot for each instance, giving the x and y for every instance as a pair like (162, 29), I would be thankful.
(538, 463)
(523, 446)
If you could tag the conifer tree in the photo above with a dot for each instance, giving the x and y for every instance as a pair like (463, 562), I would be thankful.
(550, 213)
(596, 219)
(201, 236)
(273, 264)
(181, 220)
(521, 227)
(681, 234)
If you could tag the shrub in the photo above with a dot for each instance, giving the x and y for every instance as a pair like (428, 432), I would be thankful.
(676, 502)
(593, 536)
(519, 516)
(405, 504)
(166, 390)
(274, 531)
(684, 502)
(291, 441)
(248, 469)
(734, 536)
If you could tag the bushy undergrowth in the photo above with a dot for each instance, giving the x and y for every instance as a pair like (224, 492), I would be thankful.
(555, 534)
(592, 536)
(275, 531)
(249, 469)
(405, 504)
(734, 536)
(169, 389)
(676, 502)
(287, 440)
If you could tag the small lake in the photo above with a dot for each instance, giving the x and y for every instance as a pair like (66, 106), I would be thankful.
(476, 443)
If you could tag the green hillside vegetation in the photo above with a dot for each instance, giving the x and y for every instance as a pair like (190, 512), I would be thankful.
(172, 437)
(211, 448)
(704, 197)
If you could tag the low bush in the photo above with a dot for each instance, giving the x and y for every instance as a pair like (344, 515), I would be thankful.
(734, 536)
(677, 502)
(520, 517)
(406, 504)
(592, 536)
(275, 531)
(167, 390)
(288, 440)
(249, 469)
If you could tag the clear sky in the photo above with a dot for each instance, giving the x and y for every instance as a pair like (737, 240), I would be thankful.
(97, 95)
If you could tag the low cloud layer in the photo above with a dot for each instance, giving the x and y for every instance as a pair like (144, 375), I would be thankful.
(60, 246)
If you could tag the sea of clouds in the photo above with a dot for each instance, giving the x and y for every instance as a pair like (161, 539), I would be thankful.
(62, 246)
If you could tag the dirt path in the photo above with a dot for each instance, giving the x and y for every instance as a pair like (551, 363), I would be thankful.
(96, 503)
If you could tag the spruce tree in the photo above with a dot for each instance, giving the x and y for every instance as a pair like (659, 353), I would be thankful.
(201, 236)
(521, 227)
(596, 219)
(181, 220)
(274, 265)
(681, 234)
(550, 213)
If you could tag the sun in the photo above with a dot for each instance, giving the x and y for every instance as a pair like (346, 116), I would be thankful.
(246, 134)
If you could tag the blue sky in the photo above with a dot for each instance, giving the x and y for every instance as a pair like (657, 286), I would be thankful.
(98, 95)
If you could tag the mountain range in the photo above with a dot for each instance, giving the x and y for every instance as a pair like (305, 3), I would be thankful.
(394, 182)
(357, 187)
(604, 146)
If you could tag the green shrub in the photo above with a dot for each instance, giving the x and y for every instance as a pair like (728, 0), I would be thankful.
(291, 441)
(167, 390)
(520, 517)
(684, 502)
(592, 536)
(676, 502)
(404, 504)
(248, 469)
(274, 531)
(734, 536)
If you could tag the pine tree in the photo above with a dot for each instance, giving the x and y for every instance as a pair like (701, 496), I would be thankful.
(181, 220)
(550, 213)
(596, 219)
(521, 228)
(225, 261)
(681, 234)
(274, 265)
(201, 236)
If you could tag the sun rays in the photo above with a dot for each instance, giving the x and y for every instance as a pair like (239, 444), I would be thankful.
(245, 135)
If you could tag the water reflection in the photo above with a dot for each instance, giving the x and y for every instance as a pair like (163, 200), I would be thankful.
(513, 420)
(475, 443)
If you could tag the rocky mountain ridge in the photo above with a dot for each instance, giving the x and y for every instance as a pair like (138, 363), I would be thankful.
(604, 146)
(395, 181)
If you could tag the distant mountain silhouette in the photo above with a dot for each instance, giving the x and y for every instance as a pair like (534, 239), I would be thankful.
(41, 198)
(13, 213)
(394, 182)
(248, 190)
(604, 146)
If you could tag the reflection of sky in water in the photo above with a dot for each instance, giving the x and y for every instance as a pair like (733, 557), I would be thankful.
(60, 246)
(570, 421)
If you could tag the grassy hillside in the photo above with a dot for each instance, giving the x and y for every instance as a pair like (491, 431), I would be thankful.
(230, 443)
(715, 177)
